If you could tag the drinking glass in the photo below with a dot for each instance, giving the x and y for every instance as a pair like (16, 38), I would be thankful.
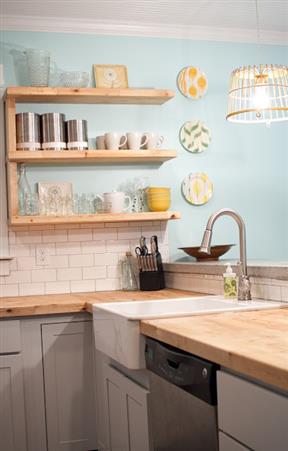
(38, 64)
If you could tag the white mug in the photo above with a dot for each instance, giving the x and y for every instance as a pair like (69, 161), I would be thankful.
(117, 201)
(115, 140)
(135, 140)
(100, 142)
(154, 140)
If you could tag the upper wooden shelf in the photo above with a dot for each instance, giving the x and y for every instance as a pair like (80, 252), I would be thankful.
(92, 156)
(96, 218)
(25, 94)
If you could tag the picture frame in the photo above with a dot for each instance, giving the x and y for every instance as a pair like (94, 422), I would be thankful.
(110, 76)
(54, 189)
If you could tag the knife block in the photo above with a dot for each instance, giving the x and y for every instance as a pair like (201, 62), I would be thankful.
(151, 280)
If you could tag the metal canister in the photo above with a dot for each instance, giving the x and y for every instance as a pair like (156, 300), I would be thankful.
(77, 134)
(53, 131)
(28, 131)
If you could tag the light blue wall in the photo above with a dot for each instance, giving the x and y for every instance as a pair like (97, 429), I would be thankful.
(247, 164)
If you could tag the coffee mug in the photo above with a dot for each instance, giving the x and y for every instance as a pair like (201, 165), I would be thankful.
(117, 201)
(115, 140)
(154, 140)
(136, 140)
(100, 142)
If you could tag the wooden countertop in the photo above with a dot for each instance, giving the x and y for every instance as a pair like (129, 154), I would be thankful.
(22, 306)
(252, 343)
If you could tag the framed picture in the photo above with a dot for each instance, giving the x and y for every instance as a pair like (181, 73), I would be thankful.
(54, 189)
(110, 76)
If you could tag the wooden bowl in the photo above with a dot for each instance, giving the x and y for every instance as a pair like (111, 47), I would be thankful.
(216, 252)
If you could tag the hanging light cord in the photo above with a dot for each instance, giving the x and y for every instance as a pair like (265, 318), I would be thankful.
(257, 21)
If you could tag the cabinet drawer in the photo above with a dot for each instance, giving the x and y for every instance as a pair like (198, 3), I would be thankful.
(252, 414)
(228, 444)
(10, 337)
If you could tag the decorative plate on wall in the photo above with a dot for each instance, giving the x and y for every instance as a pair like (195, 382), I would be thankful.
(195, 136)
(192, 82)
(197, 188)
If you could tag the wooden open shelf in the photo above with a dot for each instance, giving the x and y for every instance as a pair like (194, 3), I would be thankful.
(97, 218)
(25, 94)
(92, 156)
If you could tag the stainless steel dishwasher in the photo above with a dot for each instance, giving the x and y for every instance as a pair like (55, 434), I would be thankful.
(182, 401)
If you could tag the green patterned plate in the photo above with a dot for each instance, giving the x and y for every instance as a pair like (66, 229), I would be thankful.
(195, 136)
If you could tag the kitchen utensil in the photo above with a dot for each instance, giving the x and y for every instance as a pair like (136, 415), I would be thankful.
(38, 65)
(143, 247)
(100, 142)
(154, 244)
(28, 131)
(74, 79)
(53, 131)
(115, 140)
(136, 140)
(77, 135)
(154, 140)
(216, 252)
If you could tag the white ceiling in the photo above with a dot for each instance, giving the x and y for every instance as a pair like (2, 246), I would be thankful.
(225, 19)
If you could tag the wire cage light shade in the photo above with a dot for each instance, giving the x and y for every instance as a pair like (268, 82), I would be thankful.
(258, 94)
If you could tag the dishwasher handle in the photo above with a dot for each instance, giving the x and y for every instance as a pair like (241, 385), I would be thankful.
(189, 372)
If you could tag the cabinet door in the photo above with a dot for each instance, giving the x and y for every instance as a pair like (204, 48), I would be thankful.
(127, 411)
(228, 444)
(69, 386)
(12, 409)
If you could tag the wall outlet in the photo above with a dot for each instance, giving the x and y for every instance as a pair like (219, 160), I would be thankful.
(42, 255)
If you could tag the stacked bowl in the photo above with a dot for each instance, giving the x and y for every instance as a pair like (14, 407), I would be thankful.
(158, 198)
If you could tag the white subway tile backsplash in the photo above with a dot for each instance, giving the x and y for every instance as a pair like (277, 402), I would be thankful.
(117, 246)
(78, 286)
(57, 287)
(105, 234)
(81, 260)
(18, 277)
(69, 274)
(68, 248)
(93, 247)
(107, 284)
(59, 261)
(9, 290)
(28, 237)
(29, 289)
(44, 275)
(80, 235)
(28, 263)
(54, 236)
(94, 272)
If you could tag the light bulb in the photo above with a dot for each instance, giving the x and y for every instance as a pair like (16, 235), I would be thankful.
(261, 99)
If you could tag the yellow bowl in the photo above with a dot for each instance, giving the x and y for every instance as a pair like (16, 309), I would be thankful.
(154, 190)
(158, 205)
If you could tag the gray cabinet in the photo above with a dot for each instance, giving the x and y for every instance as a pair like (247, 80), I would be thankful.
(229, 444)
(252, 414)
(68, 369)
(126, 409)
(12, 407)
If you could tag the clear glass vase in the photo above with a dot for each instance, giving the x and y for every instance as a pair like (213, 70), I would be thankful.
(128, 277)
(24, 191)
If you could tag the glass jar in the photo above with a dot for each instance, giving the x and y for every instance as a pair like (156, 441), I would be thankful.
(128, 277)
(24, 191)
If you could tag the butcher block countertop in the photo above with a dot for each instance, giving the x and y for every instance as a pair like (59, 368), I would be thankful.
(77, 302)
(252, 343)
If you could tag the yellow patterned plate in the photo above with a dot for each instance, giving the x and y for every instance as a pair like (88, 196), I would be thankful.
(192, 82)
(197, 188)
(195, 136)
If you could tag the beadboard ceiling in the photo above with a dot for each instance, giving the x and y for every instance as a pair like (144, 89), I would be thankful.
(228, 20)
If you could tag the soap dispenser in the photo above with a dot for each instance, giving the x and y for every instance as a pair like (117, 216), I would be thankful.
(230, 282)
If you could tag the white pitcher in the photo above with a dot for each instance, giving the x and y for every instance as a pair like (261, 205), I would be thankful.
(117, 201)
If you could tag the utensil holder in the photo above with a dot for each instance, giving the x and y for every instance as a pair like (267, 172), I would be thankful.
(151, 280)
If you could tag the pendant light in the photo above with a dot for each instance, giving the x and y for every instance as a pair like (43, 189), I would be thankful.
(258, 94)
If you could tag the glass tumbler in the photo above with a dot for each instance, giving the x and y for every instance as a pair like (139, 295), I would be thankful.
(38, 65)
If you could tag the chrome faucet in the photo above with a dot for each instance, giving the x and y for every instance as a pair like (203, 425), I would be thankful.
(244, 288)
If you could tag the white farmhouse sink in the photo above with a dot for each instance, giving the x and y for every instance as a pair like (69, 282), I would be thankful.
(116, 325)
